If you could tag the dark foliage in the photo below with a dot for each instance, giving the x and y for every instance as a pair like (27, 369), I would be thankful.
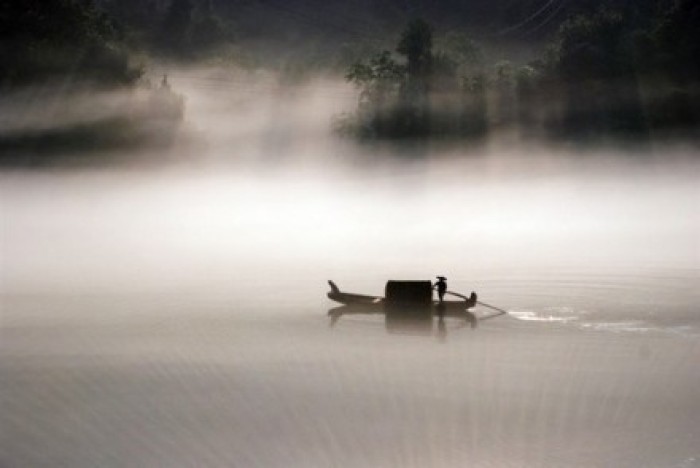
(147, 118)
(416, 44)
(624, 72)
(677, 39)
(424, 96)
(176, 25)
(64, 54)
(47, 39)
(593, 64)
(179, 29)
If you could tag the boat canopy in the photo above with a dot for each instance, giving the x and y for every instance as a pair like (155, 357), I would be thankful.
(414, 292)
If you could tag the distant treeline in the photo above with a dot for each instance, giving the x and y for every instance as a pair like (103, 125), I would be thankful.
(603, 73)
(610, 67)
(47, 39)
(56, 55)
(182, 29)
(103, 42)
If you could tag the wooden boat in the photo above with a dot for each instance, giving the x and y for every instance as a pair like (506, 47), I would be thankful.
(409, 307)
(415, 300)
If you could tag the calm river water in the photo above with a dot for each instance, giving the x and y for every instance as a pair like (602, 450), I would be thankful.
(176, 316)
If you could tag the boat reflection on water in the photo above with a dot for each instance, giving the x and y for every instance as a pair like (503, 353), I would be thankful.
(417, 321)
(408, 321)
(409, 308)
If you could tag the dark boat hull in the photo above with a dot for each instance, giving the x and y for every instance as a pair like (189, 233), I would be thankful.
(377, 304)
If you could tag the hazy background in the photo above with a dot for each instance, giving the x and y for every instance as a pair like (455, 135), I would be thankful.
(262, 193)
(175, 192)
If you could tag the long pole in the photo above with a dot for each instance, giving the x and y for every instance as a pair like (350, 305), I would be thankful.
(457, 294)
(492, 307)
(478, 302)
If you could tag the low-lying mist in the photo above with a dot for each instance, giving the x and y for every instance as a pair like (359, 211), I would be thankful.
(264, 189)
(72, 123)
(167, 238)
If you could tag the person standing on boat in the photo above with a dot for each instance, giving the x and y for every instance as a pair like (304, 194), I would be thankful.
(441, 287)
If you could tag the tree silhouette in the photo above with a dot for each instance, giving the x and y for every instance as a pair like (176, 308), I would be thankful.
(380, 80)
(176, 25)
(593, 63)
(416, 44)
(44, 39)
(677, 38)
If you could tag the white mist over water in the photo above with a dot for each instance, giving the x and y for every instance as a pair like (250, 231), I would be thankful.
(262, 199)
(243, 233)
(176, 315)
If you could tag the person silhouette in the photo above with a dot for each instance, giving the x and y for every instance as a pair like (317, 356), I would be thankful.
(441, 286)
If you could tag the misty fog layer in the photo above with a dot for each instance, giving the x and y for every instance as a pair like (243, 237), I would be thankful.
(94, 230)
(180, 179)
(263, 185)
(172, 310)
